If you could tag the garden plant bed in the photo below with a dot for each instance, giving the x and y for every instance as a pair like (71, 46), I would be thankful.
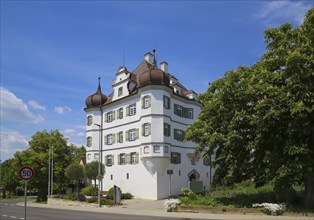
(217, 210)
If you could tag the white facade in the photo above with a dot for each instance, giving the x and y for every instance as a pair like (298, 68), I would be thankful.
(142, 135)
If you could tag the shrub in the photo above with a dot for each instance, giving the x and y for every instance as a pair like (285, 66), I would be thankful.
(71, 197)
(92, 200)
(171, 204)
(126, 196)
(81, 198)
(188, 193)
(89, 191)
(111, 192)
(106, 202)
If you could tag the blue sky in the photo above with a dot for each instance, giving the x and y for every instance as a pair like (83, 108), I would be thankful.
(52, 52)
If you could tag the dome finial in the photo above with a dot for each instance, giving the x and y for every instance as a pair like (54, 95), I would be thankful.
(99, 88)
(154, 53)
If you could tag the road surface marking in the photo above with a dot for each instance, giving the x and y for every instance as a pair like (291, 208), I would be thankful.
(5, 215)
(12, 217)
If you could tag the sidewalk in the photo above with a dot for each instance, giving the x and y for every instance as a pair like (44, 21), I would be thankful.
(156, 208)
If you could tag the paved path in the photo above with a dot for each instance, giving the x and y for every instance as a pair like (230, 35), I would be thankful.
(156, 208)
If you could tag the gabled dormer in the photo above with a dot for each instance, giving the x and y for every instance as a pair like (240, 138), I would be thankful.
(120, 84)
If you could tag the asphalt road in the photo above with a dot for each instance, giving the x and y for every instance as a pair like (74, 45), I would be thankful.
(10, 210)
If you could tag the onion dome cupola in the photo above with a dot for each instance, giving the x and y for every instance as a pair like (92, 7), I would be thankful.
(97, 99)
(154, 76)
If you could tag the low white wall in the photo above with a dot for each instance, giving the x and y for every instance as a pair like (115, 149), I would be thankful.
(65, 202)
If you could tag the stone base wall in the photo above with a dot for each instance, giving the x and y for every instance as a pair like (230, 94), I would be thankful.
(65, 202)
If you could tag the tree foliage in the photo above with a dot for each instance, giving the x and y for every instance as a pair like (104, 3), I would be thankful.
(37, 156)
(91, 170)
(259, 120)
(75, 172)
(9, 180)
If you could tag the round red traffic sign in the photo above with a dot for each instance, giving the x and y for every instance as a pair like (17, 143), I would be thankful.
(26, 173)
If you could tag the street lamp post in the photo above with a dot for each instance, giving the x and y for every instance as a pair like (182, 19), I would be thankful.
(99, 179)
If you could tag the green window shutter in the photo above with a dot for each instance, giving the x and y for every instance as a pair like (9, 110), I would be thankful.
(106, 117)
(127, 136)
(169, 103)
(143, 102)
(175, 135)
(183, 135)
(149, 129)
(119, 159)
(117, 135)
(179, 158)
(128, 158)
(175, 106)
(169, 129)
(113, 138)
(136, 133)
(127, 110)
(106, 140)
(117, 113)
(149, 101)
(137, 158)
(143, 129)
(113, 115)
(106, 163)
(184, 112)
(112, 156)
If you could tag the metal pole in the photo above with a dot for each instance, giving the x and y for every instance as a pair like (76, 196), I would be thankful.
(169, 185)
(25, 195)
(99, 180)
(49, 174)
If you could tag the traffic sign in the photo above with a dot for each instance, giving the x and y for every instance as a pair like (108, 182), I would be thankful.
(26, 173)
(100, 177)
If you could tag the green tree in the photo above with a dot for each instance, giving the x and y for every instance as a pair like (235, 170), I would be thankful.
(91, 170)
(75, 172)
(37, 156)
(259, 120)
(9, 180)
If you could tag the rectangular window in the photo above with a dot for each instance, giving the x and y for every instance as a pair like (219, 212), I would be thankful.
(110, 116)
(134, 158)
(88, 156)
(120, 91)
(156, 149)
(96, 156)
(120, 113)
(178, 110)
(166, 149)
(166, 102)
(89, 120)
(122, 159)
(120, 137)
(190, 113)
(146, 129)
(133, 134)
(206, 161)
(179, 135)
(146, 102)
(175, 158)
(109, 139)
(132, 109)
(109, 160)
(89, 141)
(167, 129)
(146, 150)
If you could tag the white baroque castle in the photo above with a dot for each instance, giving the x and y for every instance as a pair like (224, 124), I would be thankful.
(140, 128)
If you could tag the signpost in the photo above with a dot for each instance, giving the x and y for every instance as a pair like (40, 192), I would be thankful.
(26, 173)
(170, 172)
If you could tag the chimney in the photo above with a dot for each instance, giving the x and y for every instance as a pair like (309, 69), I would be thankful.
(149, 57)
(164, 66)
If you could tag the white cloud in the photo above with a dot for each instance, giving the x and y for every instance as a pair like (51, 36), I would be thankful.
(69, 131)
(36, 105)
(14, 109)
(274, 13)
(62, 109)
(11, 141)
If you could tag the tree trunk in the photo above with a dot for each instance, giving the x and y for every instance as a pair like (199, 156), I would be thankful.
(309, 192)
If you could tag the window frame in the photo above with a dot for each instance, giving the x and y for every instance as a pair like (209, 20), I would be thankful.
(89, 141)
(132, 109)
(89, 121)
